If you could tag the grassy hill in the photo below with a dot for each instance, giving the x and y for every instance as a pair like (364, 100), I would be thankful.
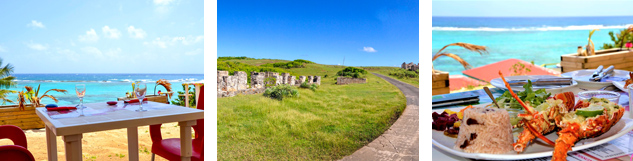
(387, 70)
(326, 124)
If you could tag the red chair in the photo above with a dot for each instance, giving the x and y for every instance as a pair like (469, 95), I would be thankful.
(18, 151)
(170, 148)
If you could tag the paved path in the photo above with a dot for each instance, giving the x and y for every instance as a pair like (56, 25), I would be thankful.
(401, 140)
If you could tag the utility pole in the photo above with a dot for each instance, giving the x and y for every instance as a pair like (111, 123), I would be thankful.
(343, 60)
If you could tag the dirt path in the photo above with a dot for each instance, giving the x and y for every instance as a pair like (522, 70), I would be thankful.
(401, 140)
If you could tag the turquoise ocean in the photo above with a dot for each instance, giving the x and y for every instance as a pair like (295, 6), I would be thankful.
(99, 87)
(541, 39)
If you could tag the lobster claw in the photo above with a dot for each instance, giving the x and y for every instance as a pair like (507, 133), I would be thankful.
(568, 99)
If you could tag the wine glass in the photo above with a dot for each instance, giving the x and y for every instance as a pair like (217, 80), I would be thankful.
(81, 92)
(140, 94)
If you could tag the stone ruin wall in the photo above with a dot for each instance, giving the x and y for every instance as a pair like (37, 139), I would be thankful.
(346, 80)
(231, 85)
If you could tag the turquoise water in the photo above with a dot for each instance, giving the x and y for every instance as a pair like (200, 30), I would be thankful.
(541, 40)
(99, 87)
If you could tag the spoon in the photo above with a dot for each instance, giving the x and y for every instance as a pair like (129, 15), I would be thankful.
(491, 97)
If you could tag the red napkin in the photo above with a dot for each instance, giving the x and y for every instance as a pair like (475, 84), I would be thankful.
(61, 108)
(135, 100)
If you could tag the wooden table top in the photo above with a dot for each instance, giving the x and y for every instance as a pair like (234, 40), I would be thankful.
(118, 116)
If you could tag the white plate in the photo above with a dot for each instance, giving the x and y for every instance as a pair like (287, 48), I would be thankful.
(582, 77)
(497, 82)
(620, 85)
(537, 149)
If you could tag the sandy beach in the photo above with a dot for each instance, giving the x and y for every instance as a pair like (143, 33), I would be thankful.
(103, 145)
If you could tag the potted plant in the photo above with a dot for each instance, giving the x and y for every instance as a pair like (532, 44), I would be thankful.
(440, 78)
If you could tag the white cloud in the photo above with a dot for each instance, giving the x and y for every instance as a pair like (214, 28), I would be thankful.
(189, 39)
(162, 43)
(36, 46)
(137, 33)
(369, 49)
(2, 49)
(92, 51)
(166, 41)
(91, 36)
(36, 24)
(111, 32)
(195, 52)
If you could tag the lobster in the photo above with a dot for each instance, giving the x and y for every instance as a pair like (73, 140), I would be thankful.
(572, 130)
(541, 122)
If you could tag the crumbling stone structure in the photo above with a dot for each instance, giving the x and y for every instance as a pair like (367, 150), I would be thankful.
(410, 66)
(229, 86)
(347, 80)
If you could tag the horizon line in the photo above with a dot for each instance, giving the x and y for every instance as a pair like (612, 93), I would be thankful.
(527, 16)
(108, 73)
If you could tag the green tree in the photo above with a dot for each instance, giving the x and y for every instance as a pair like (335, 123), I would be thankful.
(6, 81)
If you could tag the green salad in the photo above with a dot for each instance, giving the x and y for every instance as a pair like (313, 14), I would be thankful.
(529, 96)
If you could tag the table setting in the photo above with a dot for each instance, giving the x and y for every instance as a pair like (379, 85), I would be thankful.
(592, 94)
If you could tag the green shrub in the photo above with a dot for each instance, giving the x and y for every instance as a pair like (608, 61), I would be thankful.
(314, 87)
(402, 73)
(286, 65)
(281, 91)
(304, 85)
(224, 58)
(304, 61)
(231, 67)
(180, 100)
(270, 82)
(619, 40)
(352, 72)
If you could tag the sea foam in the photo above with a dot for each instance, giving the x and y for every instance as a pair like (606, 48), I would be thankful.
(543, 28)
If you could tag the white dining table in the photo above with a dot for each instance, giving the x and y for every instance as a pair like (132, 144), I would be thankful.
(101, 117)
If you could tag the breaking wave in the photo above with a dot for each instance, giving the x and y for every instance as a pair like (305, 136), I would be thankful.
(543, 28)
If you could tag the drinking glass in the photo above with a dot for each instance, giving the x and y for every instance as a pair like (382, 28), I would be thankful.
(140, 94)
(81, 92)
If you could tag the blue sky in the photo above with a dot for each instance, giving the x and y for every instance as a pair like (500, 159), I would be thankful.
(151, 36)
(530, 8)
(365, 33)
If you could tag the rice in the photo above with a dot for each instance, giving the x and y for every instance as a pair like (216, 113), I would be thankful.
(485, 130)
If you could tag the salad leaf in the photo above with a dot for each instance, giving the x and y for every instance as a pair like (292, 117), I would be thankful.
(529, 96)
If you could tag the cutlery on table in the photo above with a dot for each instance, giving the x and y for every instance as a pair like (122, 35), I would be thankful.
(597, 72)
(604, 74)
(542, 81)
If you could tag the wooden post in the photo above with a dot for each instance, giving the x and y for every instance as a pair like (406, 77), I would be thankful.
(73, 147)
(186, 149)
(186, 95)
(132, 143)
(51, 143)
(197, 92)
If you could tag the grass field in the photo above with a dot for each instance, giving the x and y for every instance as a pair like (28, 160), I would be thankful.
(385, 71)
(328, 124)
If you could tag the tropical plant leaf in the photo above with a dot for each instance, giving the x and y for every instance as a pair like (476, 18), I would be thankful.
(476, 48)
(459, 59)
(52, 97)
(56, 90)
